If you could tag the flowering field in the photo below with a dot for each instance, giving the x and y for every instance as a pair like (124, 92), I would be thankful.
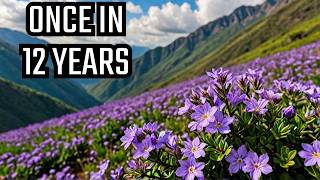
(257, 120)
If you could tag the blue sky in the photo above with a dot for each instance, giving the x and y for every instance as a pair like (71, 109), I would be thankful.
(145, 4)
(150, 23)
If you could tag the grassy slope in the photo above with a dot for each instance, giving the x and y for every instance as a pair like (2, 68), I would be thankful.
(290, 27)
(21, 106)
(172, 64)
(168, 66)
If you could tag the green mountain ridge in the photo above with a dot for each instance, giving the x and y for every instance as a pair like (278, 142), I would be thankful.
(21, 106)
(162, 63)
(290, 27)
(65, 90)
(285, 24)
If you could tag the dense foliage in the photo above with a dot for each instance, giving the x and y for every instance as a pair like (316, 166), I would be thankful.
(256, 120)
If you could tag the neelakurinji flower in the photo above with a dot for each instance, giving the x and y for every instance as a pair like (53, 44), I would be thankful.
(289, 112)
(193, 148)
(117, 174)
(172, 141)
(236, 159)
(196, 95)
(100, 175)
(270, 95)
(311, 153)
(222, 78)
(163, 139)
(187, 106)
(256, 165)
(150, 128)
(189, 169)
(204, 114)
(138, 165)
(257, 107)
(235, 97)
(221, 124)
(144, 148)
(129, 136)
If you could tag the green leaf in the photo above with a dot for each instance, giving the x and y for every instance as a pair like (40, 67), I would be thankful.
(313, 171)
(292, 154)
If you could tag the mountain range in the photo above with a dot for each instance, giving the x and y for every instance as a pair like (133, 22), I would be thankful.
(218, 43)
(14, 38)
(67, 91)
(21, 106)
(161, 63)
(26, 101)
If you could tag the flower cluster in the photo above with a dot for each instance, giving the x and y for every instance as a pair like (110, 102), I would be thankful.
(249, 162)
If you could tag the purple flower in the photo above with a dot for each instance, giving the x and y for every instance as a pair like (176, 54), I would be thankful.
(144, 148)
(222, 78)
(150, 127)
(196, 95)
(163, 139)
(187, 106)
(289, 112)
(138, 165)
(270, 95)
(100, 175)
(129, 136)
(256, 165)
(189, 169)
(116, 174)
(204, 114)
(311, 153)
(96, 176)
(60, 175)
(257, 107)
(236, 97)
(193, 148)
(221, 124)
(236, 159)
(172, 141)
(104, 166)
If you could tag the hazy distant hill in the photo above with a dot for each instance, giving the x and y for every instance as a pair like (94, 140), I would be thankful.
(14, 38)
(160, 64)
(20, 106)
(63, 89)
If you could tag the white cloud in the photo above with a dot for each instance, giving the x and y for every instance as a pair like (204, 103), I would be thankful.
(159, 26)
(132, 8)
(209, 10)
(164, 24)
(12, 14)
(170, 18)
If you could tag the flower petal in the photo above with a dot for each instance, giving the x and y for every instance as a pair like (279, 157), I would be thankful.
(263, 159)
(234, 168)
(256, 174)
(266, 169)
(307, 147)
(242, 151)
(316, 146)
(310, 162)
(181, 172)
(305, 154)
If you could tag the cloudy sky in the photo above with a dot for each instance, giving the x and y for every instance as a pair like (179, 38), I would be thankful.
(150, 23)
